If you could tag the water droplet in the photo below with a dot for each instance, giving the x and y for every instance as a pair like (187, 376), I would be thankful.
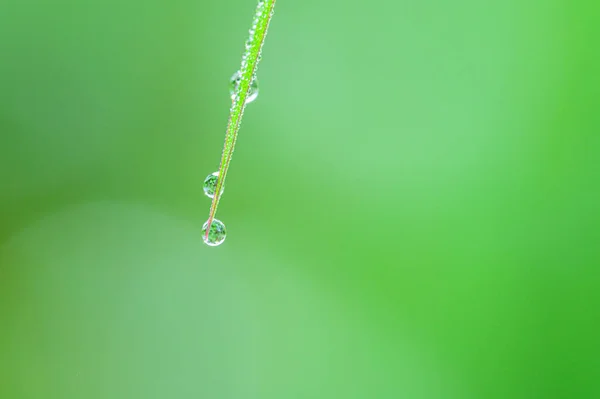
(234, 83)
(210, 185)
(216, 235)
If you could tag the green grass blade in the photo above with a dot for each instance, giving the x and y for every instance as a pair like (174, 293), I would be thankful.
(250, 60)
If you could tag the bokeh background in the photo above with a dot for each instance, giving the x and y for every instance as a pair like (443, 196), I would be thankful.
(412, 208)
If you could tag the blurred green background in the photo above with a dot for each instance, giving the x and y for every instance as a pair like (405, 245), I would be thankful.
(412, 208)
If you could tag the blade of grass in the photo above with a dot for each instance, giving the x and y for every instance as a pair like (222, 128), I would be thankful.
(250, 60)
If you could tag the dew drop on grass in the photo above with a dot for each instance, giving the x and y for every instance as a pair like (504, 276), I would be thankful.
(235, 82)
(210, 185)
(216, 235)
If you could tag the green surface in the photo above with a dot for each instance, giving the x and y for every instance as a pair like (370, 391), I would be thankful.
(412, 208)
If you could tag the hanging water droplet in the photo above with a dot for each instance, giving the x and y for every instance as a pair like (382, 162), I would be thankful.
(210, 185)
(216, 235)
(235, 82)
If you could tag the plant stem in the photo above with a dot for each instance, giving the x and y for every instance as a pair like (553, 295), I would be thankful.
(250, 60)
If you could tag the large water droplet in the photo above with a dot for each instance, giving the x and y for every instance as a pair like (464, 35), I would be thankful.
(216, 235)
(210, 185)
(235, 82)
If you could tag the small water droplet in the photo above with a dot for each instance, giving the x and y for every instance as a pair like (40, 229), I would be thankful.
(234, 83)
(216, 235)
(210, 185)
